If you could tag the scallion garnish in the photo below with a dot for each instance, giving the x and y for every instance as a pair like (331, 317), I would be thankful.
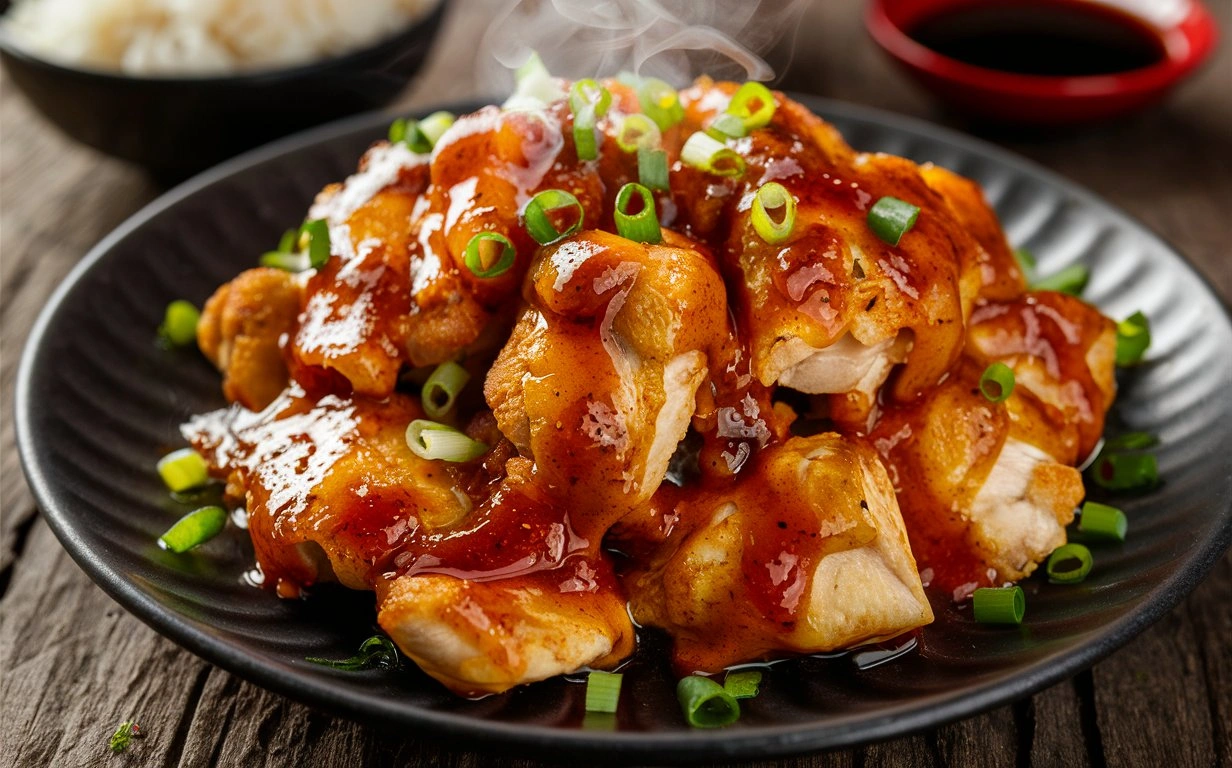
(1004, 605)
(314, 237)
(441, 389)
(725, 126)
(422, 136)
(539, 213)
(194, 529)
(123, 736)
(660, 102)
(183, 470)
(1125, 471)
(584, 140)
(1131, 441)
(705, 154)
(1026, 262)
(376, 651)
(753, 104)
(997, 382)
(1070, 280)
(642, 225)
(1068, 564)
(489, 254)
(638, 132)
(891, 218)
(441, 442)
(179, 328)
(287, 243)
(773, 213)
(602, 691)
(397, 130)
(1103, 521)
(587, 93)
(743, 684)
(705, 703)
(1133, 336)
(652, 169)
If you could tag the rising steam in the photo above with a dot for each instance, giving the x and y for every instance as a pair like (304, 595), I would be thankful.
(675, 40)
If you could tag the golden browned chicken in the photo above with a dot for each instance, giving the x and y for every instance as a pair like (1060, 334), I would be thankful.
(596, 361)
(807, 553)
(480, 576)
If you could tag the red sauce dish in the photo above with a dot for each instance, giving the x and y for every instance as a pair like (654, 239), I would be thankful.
(1045, 62)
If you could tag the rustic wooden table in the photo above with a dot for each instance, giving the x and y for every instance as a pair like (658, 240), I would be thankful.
(74, 664)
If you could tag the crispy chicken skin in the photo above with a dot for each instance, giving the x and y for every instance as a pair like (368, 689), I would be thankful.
(806, 554)
(601, 366)
(240, 331)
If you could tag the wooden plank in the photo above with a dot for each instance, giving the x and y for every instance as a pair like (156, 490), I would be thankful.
(1056, 736)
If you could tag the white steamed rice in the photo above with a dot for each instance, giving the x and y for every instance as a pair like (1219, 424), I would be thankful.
(200, 37)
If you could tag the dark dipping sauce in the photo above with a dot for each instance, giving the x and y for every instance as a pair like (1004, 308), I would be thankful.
(1042, 38)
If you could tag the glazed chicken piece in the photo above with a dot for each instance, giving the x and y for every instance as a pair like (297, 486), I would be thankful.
(806, 553)
(240, 331)
(480, 577)
(834, 308)
(597, 382)
(985, 488)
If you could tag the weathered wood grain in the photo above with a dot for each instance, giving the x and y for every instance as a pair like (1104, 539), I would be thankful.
(73, 664)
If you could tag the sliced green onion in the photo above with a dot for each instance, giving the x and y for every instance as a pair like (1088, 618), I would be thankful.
(183, 470)
(753, 104)
(891, 218)
(287, 243)
(441, 389)
(743, 684)
(725, 126)
(1026, 261)
(773, 200)
(432, 440)
(587, 93)
(1070, 280)
(584, 140)
(1069, 564)
(997, 382)
(179, 326)
(652, 169)
(602, 691)
(1126, 471)
(288, 262)
(1131, 441)
(638, 132)
(397, 130)
(1133, 336)
(705, 154)
(317, 234)
(422, 136)
(537, 216)
(489, 254)
(194, 529)
(532, 68)
(1005, 605)
(660, 102)
(705, 703)
(376, 651)
(1103, 521)
(642, 226)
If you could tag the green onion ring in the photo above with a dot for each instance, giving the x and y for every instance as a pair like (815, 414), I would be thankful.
(652, 169)
(705, 154)
(642, 226)
(587, 93)
(194, 529)
(997, 382)
(479, 252)
(1103, 522)
(538, 222)
(440, 391)
(1133, 337)
(584, 141)
(316, 232)
(773, 196)
(179, 326)
(603, 691)
(705, 703)
(1062, 556)
(441, 442)
(891, 218)
(1070, 280)
(183, 470)
(753, 104)
(638, 132)
(725, 126)
(1006, 605)
(660, 102)
(743, 684)
(1126, 471)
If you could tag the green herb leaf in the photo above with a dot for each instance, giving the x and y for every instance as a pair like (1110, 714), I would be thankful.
(377, 651)
(124, 735)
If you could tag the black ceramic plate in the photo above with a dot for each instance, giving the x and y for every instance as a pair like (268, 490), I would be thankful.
(98, 402)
